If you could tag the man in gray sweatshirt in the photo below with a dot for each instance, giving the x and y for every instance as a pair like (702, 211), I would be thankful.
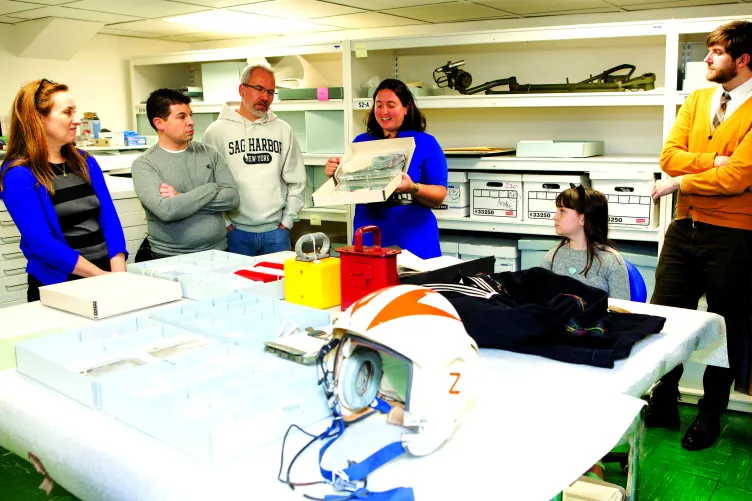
(184, 186)
(267, 163)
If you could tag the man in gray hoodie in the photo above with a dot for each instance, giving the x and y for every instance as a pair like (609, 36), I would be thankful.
(267, 164)
(184, 186)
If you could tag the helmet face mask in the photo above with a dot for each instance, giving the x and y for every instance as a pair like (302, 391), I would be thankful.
(404, 345)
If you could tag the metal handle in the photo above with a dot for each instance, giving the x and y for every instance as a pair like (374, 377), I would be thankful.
(367, 229)
(14, 271)
(321, 253)
(10, 240)
(12, 255)
(7, 224)
(17, 287)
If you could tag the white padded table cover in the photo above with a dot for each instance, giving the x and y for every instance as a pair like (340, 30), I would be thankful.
(528, 406)
(496, 449)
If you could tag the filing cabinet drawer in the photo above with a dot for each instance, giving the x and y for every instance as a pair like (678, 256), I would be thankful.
(129, 219)
(13, 283)
(10, 251)
(9, 233)
(135, 232)
(126, 205)
(12, 267)
(13, 303)
(11, 297)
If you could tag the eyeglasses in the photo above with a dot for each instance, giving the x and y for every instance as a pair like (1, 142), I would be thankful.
(258, 88)
(39, 89)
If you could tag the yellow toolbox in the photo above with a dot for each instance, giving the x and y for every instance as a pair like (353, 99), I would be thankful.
(313, 278)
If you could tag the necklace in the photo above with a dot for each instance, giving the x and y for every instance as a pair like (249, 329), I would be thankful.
(58, 168)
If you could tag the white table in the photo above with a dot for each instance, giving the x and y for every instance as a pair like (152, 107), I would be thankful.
(526, 406)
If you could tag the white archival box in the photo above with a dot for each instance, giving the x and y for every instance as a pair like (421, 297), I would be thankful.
(110, 294)
(327, 195)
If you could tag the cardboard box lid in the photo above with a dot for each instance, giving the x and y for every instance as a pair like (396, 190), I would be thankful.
(560, 141)
(327, 195)
(492, 176)
(622, 176)
(110, 294)
(554, 178)
(538, 243)
(457, 176)
(497, 247)
(454, 238)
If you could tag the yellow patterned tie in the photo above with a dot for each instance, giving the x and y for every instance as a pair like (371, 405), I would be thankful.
(721, 113)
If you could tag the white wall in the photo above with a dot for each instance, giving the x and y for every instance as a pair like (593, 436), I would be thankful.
(98, 75)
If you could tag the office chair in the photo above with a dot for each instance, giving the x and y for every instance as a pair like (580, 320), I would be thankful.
(638, 292)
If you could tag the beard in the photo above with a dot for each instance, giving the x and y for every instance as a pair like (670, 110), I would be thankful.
(253, 111)
(723, 75)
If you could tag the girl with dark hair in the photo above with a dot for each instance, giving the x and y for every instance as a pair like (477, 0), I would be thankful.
(585, 252)
(57, 194)
(411, 225)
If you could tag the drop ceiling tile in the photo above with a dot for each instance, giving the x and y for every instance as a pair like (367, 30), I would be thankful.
(386, 4)
(143, 8)
(365, 20)
(219, 4)
(449, 12)
(198, 37)
(247, 24)
(297, 9)
(82, 15)
(161, 26)
(10, 20)
(126, 33)
(532, 7)
(215, 35)
(9, 7)
(597, 10)
(50, 2)
(654, 4)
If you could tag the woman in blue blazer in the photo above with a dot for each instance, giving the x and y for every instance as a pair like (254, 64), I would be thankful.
(410, 225)
(55, 193)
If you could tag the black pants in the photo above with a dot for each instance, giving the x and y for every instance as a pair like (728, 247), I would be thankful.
(32, 294)
(699, 259)
(146, 254)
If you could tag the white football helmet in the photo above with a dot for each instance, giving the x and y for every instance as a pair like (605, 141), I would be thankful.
(403, 344)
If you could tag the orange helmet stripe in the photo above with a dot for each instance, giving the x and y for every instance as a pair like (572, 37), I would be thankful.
(409, 304)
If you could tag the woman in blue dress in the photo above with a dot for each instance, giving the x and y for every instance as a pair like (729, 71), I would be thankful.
(410, 226)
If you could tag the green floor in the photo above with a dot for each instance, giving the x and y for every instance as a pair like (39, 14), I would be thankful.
(669, 473)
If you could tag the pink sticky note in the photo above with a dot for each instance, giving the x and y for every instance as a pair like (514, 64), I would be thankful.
(322, 94)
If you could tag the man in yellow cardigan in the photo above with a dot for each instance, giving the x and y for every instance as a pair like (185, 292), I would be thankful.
(708, 247)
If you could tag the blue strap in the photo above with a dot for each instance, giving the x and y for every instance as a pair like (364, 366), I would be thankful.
(398, 494)
(359, 471)
(381, 406)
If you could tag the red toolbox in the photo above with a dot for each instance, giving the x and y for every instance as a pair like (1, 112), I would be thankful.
(366, 269)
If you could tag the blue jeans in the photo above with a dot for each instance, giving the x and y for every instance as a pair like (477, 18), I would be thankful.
(256, 244)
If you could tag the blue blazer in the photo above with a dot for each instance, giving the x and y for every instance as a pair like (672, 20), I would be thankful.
(50, 258)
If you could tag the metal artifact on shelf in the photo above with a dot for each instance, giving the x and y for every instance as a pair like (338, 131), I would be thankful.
(611, 80)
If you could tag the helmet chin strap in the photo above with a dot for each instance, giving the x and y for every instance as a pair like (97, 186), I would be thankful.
(347, 479)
